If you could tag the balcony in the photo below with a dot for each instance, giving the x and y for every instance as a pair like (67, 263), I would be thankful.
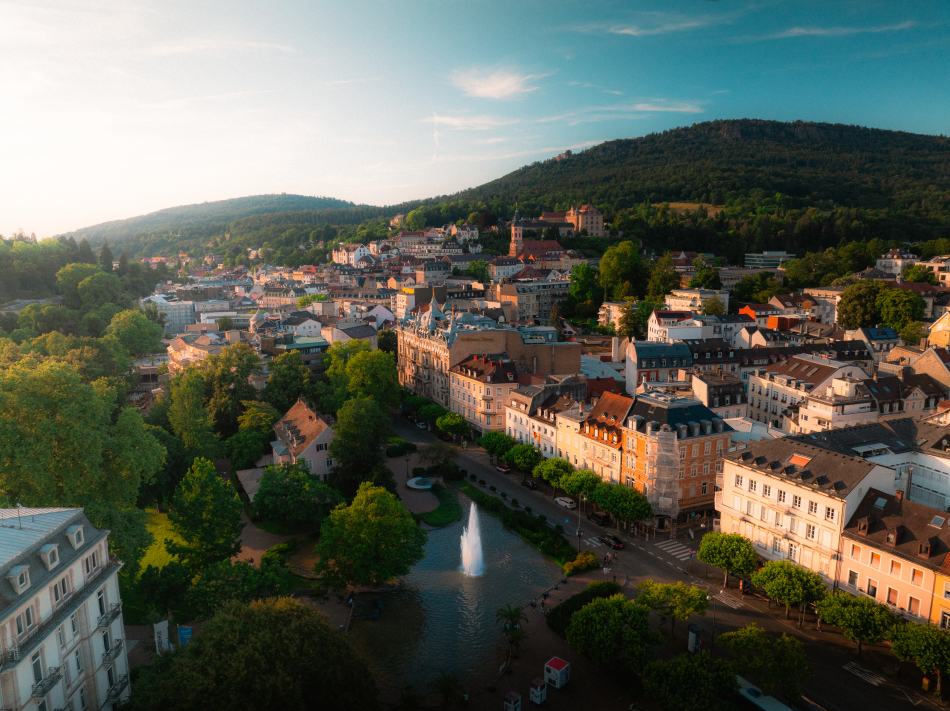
(115, 691)
(112, 654)
(45, 686)
(115, 609)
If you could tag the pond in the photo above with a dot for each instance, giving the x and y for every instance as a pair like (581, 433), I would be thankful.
(442, 619)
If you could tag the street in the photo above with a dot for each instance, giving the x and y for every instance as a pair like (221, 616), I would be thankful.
(840, 682)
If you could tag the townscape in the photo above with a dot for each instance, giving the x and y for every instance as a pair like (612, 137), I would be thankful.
(651, 423)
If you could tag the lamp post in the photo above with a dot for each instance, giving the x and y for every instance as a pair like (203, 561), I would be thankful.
(407, 466)
(583, 498)
(712, 644)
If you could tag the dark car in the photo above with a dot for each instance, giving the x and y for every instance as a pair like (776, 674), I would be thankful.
(611, 541)
(599, 517)
(531, 484)
(503, 468)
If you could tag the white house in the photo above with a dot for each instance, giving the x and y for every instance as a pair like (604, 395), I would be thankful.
(61, 625)
(349, 253)
(304, 435)
(695, 299)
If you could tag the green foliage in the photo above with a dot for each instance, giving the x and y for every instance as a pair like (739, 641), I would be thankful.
(479, 270)
(226, 323)
(373, 374)
(579, 483)
(295, 654)
(98, 290)
(529, 459)
(206, 513)
(277, 554)
(372, 540)
(305, 301)
(227, 581)
(898, 308)
(294, 497)
(448, 511)
(629, 324)
(714, 307)
(135, 332)
(691, 681)
(559, 619)
(663, 278)
(858, 305)
(258, 417)
(496, 443)
(677, 602)
(448, 687)
(729, 551)
(861, 619)
(361, 433)
(790, 584)
(68, 280)
(288, 378)
(912, 333)
(190, 420)
(165, 588)
(430, 414)
(774, 662)
(585, 560)
(920, 274)
(453, 424)
(757, 289)
(622, 502)
(614, 632)
(622, 270)
(335, 389)
(706, 278)
(387, 341)
(227, 381)
(925, 645)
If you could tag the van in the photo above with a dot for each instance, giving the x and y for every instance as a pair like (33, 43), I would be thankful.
(599, 517)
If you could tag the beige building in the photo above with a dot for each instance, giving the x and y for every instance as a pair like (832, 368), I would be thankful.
(304, 436)
(695, 300)
(479, 387)
(568, 424)
(846, 402)
(532, 299)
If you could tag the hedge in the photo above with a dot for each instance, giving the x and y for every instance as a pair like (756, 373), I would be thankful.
(560, 617)
(449, 510)
(398, 447)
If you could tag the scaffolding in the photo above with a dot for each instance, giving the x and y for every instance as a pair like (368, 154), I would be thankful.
(663, 471)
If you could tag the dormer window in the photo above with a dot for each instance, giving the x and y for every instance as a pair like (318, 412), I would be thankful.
(924, 549)
(19, 578)
(863, 525)
(50, 555)
(75, 536)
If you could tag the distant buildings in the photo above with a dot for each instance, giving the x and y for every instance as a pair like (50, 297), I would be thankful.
(695, 300)
(768, 260)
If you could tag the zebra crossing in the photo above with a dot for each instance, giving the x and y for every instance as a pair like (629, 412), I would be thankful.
(677, 550)
(593, 542)
(729, 600)
(865, 674)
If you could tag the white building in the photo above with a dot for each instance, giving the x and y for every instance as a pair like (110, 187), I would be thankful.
(178, 314)
(349, 254)
(846, 402)
(826, 302)
(61, 626)
(695, 299)
(304, 435)
(895, 261)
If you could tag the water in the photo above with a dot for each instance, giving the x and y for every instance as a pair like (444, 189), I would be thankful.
(440, 618)
(473, 562)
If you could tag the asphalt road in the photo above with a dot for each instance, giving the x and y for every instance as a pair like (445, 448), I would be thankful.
(841, 681)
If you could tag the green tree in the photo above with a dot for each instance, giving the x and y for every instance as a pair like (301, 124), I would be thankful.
(858, 305)
(899, 308)
(663, 278)
(479, 270)
(105, 258)
(438, 454)
(925, 645)
(135, 332)
(629, 324)
(706, 279)
(691, 681)
(729, 551)
(258, 417)
(227, 581)
(677, 602)
(772, 661)
(305, 301)
(387, 341)
(372, 540)
(912, 333)
(582, 482)
(622, 264)
(496, 443)
(123, 264)
(614, 632)
(288, 378)
(920, 275)
(511, 616)
(206, 513)
(226, 323)
(290, 494)
(448, 687)
(453, 424)
(373, 374)
(335, 389)
(861, 619)
(789, 584)
(98, 290)
(361, 434)
(165, 588)
(622, 502)
(584, 285)
(299, 662)
(187, 415)
(229, 382)
(85, 253)
(529, 459)
(714, 306)
(431, 413)
(244, 449)
(68, 280)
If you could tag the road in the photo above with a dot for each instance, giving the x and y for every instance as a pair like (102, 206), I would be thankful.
(841, 681)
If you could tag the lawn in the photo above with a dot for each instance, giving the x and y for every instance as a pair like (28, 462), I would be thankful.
(134, 606)
(449, 510)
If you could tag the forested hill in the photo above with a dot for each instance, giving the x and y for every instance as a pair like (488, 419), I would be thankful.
(812, 163)
(208, 214)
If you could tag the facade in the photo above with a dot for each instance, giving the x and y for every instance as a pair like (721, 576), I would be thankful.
(940, 266)
(178, 314)
(610, 313)
(722, 393)
(349, 254)
(601, 436)
(760, 313)
(660, 323)
(795, 305)
(893, 551)
(695, 299)
(846, 402)
(768, 260)
(531, 411)
(896, 261)
(568, 424)
(480, 386)
(791, 499)
(826, 299)
(304, 436)
(532, 298)
(897, 392)
(648, 363)
(61, 625)
(879, 341)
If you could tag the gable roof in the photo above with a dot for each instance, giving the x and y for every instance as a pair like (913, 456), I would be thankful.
(297, 429)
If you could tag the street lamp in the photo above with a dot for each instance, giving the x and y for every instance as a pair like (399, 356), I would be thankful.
(407, 466)
(712, 644)
(583, 498)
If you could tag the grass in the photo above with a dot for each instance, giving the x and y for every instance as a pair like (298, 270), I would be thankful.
(449, 510)
(134, 606)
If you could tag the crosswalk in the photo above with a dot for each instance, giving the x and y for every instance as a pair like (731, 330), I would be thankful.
(729, 600)
(677, 550)
(865, 674)
(593, 542)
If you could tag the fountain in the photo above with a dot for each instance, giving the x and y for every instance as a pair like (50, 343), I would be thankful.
(472, 561)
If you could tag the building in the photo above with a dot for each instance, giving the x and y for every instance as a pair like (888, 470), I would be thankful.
(532, 298)
(349, 254)
(722, 393)
(660, 323)
(501, 267)
(610, 313)
(940, 266)
(795, 305)
(62, 625)
(568, 423)
(846, 402)
(304, 436)
(898, 392)
(655, 362)
(602, 437)
(480, 385)
(696, 300)
(826, 299)
(896, 261)
(178, 314)
(531, 411)
(673, 449)
(586, 217)
(893, 550)
(791, 499)
(879, 341)
(760, 313)
(768, 260)
(409, 297)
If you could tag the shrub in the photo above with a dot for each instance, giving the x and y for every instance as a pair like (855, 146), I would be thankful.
(418, 471)
(585, 560)
(527, 510)
(542, 518)
(409, 447)
(393, 451)
(560, 617)
(504, 495)
(465, 473)
(481, 482)
(491, 488)
(449, 510)
(277, 555)
(514, 502)
(472, 477)
(559, 528)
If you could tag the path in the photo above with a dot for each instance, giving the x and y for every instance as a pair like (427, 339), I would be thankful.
(254, 541)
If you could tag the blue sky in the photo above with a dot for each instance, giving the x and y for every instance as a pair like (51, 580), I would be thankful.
(114, 109)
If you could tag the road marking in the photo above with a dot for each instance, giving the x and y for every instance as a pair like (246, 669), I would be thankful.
(910, 699)
(729, 600)
(593, 542)
(865, 674)
(677, 550)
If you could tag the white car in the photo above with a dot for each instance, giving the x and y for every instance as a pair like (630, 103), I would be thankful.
(566, 502)
(422, 425)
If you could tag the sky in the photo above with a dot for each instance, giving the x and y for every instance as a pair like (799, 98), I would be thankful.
(110, 110)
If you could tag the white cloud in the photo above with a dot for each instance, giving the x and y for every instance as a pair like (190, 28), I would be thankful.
(639, 31)
(681, 108)
(836, 31)
(500, 84)
(624, 111)
(469, 123)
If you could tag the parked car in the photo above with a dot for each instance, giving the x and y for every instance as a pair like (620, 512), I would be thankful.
(503, 468)
(530, 483)
(422, 425)
(565, 502)
(599, 517)
(611, 540)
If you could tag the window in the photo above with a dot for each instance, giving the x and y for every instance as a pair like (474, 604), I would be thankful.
(719, 442)
(28, 614)
(872, 588)
(110, 675)
(856, 552)
(37, 668)
(796, 502)
(682, 473)
(810, 532)
(944, 620)
(706, 468)
(683, 456)
(913, 605)
(72, 623)
(753, 485)
(895, 569)
(813, 508)
(705, 487)
(876, 561)
(891, 596)
(766, 491)
(916, 577)
(750, 508)
(778, 519)
(738, 481)
(695, 450)
(708, 448)
(101, 597)
(692, 470)
(852, 579)
(793, 524)
(830, 513)
(781, 496)
(78, 660)
(61, 637)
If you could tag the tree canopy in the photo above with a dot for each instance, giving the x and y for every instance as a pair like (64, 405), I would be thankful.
(730, 551)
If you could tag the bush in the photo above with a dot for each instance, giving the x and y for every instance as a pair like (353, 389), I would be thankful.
(503, 495)
(491, 488)
(542, 518)
(277, 555)
(481, 482)
(559, 528)
(418, 471)
(560, 617)
(472, 477)
(465, 473)
(449, 510)
(398, 447)
(527, 510)
(514, 502)
(585, 560)
(293, 497)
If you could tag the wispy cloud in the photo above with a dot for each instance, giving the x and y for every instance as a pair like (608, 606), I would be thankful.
(469, 123)
(640, 31)
(835, 31)
(648, 24)
(590, 114)
(498, 84)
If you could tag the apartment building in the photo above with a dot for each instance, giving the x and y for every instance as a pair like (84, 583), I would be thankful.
(792, 499)
(178, 314)
(304, 436)
(350, 253)
(879, 341)
(722, 393)
(846, 402)
(532, 298)
(760, 313)
(673, 449)
(568, 424)
(795, 305)
(480, 385)
(898, 392)
(826, 300)
(531, 411)
(939, 265)
(61, 626)
(602, 436)
(610, 313)
(661, 323)
(895, 261)
(695, 299)
(655, 362)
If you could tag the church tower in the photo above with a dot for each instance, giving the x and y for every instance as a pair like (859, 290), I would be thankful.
(517, 245)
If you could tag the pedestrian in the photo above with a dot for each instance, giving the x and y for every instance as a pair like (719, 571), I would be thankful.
(615, 555)
(819, 624)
